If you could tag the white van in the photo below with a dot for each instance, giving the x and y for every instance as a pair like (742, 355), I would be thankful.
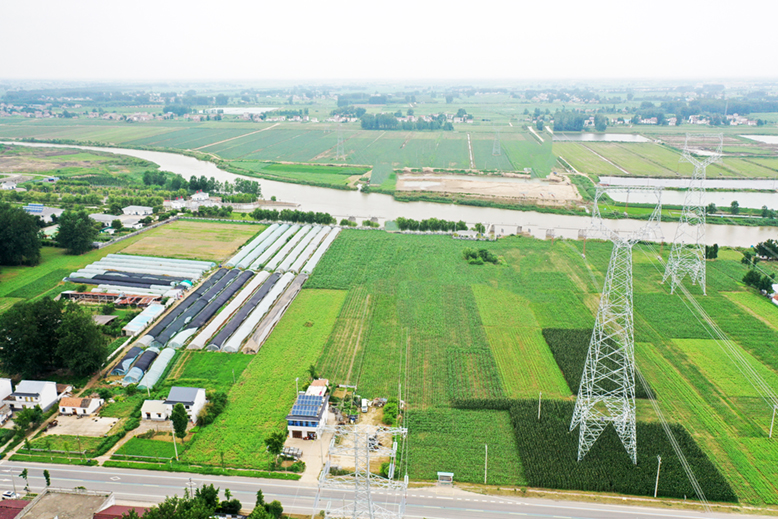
(364, 405)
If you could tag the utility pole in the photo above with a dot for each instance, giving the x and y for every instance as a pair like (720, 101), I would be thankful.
(297, 387)
(486, 460)
(659, 466)
(540, 395)
(175, 447)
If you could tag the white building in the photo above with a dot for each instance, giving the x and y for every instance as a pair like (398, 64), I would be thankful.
(308, 416)
(192, 398)
(154, 410)
(30, 393)
(79, 406)
(5, 388)
(138, 210)
(200, 195)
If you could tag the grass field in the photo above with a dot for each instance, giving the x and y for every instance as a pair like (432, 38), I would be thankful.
(29, 283)
(215, 241)
(305, 174)
(147, 448)
(209, 370)
(265, 391)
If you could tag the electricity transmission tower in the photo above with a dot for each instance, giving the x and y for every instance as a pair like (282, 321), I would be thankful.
(496, 148)
(607, 391)
(687, 257)
(341, 149)
(359, 444)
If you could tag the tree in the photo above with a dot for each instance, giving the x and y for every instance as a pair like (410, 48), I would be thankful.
(600, 123)
(712, 252)
(77, 232)
(179, 419)
(449, 99)
(28, 417)
(767, 249)
(275, 441)
(734, 207)
(19, 241)
(711, 208)
(479, 228)
(81, 346)
(539, 125)
(24, 476)
(312, 372)
(117, 225)
(47, 477)
(29, 337)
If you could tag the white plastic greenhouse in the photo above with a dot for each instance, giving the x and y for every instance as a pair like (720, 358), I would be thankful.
(233, 261)
(271, 265)
(157, 368)
(311, 264)
(223, 316)
(259, 249)
(234, 342)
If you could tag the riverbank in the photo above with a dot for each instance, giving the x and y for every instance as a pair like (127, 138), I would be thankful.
(536, 221)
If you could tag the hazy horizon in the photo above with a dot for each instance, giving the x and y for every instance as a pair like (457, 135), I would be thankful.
(346, 42)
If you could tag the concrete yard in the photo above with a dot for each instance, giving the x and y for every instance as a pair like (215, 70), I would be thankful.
(88, 426)
(65, 506)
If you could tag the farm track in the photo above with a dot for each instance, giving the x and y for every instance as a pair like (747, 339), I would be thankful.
(238, 137)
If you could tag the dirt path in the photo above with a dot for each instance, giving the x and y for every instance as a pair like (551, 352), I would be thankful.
(531, 129)
(608, 161)
(470, 149)
(238, 137)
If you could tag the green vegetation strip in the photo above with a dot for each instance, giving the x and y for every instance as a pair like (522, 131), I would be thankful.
(195, 469)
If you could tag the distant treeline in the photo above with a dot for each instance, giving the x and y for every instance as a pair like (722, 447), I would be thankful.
(390, 122)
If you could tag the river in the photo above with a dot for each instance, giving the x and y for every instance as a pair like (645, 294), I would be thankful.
(342, 204)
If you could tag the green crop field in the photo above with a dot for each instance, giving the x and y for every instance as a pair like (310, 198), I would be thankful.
(523, 358)
(436, 433)
(265, 391)
(652, 160)
(416, 312)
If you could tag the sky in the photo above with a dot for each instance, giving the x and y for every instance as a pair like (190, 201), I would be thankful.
(324, 40)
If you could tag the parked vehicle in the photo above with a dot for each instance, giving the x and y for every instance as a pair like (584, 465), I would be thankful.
(364, 405)
(10, 494)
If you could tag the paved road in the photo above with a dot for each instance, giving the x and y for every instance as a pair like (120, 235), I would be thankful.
(432, 503)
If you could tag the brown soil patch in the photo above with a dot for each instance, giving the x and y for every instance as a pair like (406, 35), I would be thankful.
(547, 192)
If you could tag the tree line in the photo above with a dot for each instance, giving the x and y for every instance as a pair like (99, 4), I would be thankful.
(430, 224)
(295, 216)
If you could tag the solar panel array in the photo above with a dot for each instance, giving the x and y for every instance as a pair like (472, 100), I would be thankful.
(307, 405)
(34, 208)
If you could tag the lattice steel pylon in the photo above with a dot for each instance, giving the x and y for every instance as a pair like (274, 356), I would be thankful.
(607, 391)
(340, 151)
(687, 256)
(361, 443)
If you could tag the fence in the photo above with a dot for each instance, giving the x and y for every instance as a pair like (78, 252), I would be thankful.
(100, 245)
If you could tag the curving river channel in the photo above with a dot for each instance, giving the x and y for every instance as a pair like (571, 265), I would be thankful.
(342, 204)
